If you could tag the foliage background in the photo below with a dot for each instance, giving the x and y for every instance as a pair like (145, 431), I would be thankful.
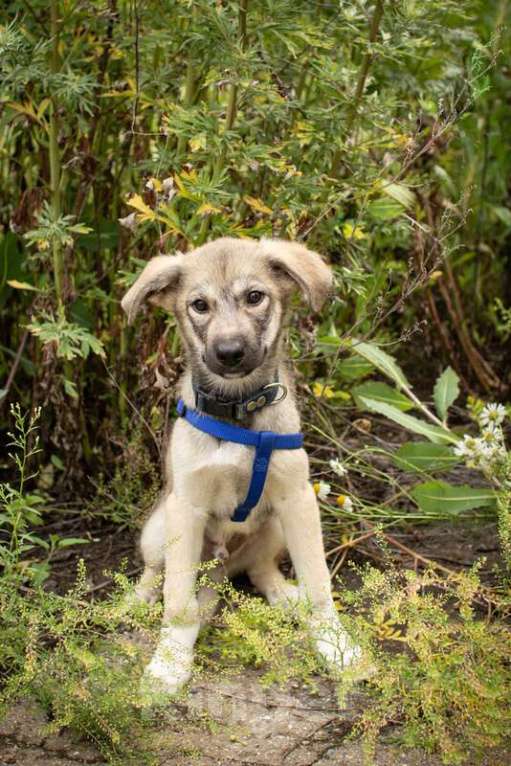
(374, 131)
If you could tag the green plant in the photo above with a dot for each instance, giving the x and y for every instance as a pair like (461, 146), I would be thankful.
(21, 510)
(442, 676)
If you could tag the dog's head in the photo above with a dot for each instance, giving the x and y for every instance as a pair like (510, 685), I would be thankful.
(229, 298)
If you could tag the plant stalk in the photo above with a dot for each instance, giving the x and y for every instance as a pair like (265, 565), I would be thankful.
(361, 81)
(55, 163)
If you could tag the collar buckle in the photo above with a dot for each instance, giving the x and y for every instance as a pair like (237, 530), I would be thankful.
(277, 398)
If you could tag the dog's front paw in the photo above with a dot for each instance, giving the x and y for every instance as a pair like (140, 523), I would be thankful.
(171, 666)
(333, 643)
(163, 678)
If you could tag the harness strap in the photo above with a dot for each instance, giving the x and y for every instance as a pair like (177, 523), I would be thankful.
(264, 442)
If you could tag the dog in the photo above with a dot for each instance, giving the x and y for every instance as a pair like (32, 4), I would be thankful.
(230, 298)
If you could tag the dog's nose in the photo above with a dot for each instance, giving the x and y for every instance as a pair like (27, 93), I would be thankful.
(230, 352)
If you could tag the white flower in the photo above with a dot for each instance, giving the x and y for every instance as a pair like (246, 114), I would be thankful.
(322, 489)
(337, 467)
(493, 414)
(467, 447)
(345, 502)
(482, 452)
(130, 222)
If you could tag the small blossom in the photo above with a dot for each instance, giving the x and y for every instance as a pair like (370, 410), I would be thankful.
(467, 447)
(482, 452)
(337, 467)
(345, 502)
(321, 390)
(322, 489)
(492, 414)
(130, 222)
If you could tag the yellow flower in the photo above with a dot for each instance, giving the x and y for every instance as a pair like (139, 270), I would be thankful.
(321, 390)
(351, 231)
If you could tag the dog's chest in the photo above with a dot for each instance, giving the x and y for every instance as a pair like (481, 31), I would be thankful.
(217, 477)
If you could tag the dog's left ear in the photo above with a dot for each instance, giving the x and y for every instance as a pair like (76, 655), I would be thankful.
(156, 284)
(304, 267)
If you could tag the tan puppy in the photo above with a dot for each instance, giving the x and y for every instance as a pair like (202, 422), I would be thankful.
(230, 298)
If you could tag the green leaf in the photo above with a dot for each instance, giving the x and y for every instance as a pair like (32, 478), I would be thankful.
(400, 193)
(446, 390)
(381, 360)
(381, 392)
(65, 542)
(503, 214)
(435, 496)
(433, 433)
(354, 368)
(424, 456)
(384, 209)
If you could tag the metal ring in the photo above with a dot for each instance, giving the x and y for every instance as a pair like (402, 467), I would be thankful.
(282, 397)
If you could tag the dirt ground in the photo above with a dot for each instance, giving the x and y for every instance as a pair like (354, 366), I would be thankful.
(227, 722)
(235, 720)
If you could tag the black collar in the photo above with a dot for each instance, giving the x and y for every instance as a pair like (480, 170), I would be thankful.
(238, 409)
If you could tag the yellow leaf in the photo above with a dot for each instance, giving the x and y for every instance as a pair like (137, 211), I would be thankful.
(21, 285)
(197, 142)
(154, 184)
(42, 108)
(26, 108)
(138, 203)
(207, 209)
(258, 205)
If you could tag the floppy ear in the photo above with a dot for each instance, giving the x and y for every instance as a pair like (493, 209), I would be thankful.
(304, 267)
(154, 283)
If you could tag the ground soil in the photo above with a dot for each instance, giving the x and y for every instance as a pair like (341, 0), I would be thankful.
(227, 722)
(235, 720)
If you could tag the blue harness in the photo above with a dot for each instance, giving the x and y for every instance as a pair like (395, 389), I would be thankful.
(263, 441)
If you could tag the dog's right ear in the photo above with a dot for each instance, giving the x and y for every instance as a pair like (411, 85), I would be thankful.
(156, 283)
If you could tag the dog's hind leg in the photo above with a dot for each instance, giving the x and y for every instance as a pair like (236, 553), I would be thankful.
(152, 546)
(259, 558)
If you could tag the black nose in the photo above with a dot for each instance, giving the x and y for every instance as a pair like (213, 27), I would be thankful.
(230, 352)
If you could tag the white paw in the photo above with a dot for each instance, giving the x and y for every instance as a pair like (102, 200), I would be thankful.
(165, 678)
(285, 595)
(171, 665)
(333, 643)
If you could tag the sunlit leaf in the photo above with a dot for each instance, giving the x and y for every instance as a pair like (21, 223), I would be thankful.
(425, 456)
(436, 496)
(433, 433)
(446, 390)
(138, 203)
(381, 392)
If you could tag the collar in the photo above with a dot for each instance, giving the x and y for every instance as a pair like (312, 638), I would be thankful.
(238, 409)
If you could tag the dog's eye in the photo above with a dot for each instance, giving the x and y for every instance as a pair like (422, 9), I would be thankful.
(254, 297)
(200, 306)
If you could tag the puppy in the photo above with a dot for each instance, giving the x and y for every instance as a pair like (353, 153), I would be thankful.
(230, 299)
